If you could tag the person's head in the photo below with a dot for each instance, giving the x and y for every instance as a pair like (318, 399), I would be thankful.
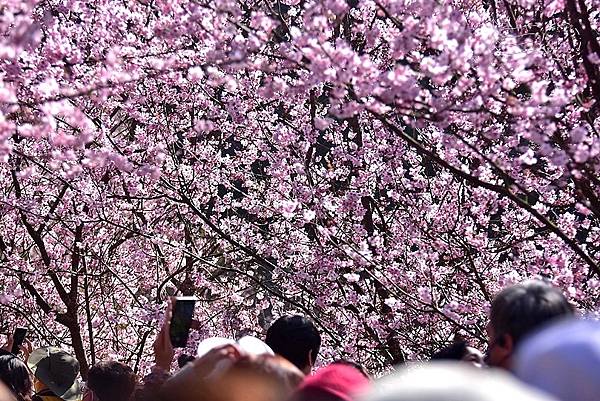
(459, 351)
(563, 360)
(278, 376)
(16, 376)
(55, 372)
(110, 381)
(243, 377)
(518, 311)
(336, 382)
(296, 339)
(451, 381)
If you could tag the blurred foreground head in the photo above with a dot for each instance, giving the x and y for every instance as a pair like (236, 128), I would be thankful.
(563, 360)
(258, 378)
(227, 374)
(517, 312)
(451, 381)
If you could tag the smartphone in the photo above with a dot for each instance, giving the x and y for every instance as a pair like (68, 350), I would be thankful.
(181, 321)
(18, 338)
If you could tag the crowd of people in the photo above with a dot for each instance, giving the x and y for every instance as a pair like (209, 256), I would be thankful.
(539, 349)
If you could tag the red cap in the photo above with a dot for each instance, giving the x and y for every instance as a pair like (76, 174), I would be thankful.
(343, 381)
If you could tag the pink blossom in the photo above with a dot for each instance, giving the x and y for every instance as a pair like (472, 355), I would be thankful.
(352, 277)
(309, 215)
(195, 74)
(594, 58)
(578, 134)
(288, 208)
(322, 123)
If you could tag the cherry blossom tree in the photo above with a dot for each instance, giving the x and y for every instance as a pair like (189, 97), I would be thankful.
(381, 166)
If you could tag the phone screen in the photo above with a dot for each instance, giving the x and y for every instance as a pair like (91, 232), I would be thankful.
(18, 338)
(181, 321)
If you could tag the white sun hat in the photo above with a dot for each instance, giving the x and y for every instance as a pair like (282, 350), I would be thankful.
(248, 344)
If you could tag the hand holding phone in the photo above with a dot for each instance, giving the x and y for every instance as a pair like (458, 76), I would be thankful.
(18, 338)
(163, 349)
(181, 321)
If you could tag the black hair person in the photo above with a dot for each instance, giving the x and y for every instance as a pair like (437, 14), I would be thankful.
(296, 339)
(16, 376)
(518, 311)
(111, 381)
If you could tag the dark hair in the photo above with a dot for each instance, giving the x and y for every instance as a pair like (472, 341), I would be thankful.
(184, 359)
(111, 381)
(293, 337)
(523, 308)
(15, 375)
(455, 351)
